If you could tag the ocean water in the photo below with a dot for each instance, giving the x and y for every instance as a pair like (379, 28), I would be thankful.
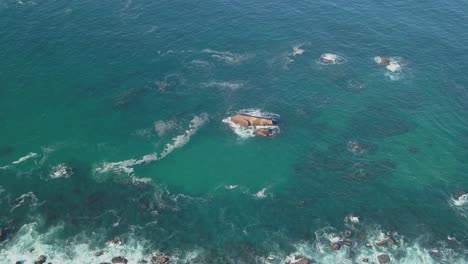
(111, 120)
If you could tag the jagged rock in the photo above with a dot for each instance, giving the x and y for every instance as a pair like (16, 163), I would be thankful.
(119, 260)
(335, 246)
(246, 120)
(384, 258)
(159, 259)
(41, 260)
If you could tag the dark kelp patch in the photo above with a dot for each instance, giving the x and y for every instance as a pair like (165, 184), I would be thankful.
(5, 150)
(379, 122)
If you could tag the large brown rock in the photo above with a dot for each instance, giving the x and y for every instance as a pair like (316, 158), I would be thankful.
(246, 120)
(384, 258)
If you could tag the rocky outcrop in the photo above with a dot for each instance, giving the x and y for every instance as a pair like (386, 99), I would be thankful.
(247, 120)
(119, 260)
(384, 258)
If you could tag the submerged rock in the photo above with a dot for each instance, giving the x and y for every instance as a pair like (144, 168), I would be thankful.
(3, 234)
(382, 60)
(41, 260)
(99, 253)
(119, 260)
(384, 258)
(5, 150)
(335, 246)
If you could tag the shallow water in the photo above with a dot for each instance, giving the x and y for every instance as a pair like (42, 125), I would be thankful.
(131, 97)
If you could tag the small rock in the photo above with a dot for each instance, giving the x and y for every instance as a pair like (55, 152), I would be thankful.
(382, 243)
(346, 243)
(302, 261)
(41, 260)
(119, 260)
(365, 260)
(99, 253)
(159, 259)
(142, 261)
(384, 258)
(335, 246)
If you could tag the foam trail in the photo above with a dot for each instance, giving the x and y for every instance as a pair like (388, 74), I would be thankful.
(261, 194)
(177, 142)
(162, 127)
(226, 56)
(22, 159)
(225, 85)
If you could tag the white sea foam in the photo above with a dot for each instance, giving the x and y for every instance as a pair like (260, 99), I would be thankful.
(24, 199)
(297, 50)
(393, 66)
(231, 187)
(179, 141)
(25, 158)
(262, 193)
(248, 132)
(462, 200)
(61, 171)
(330, 58)
(225, 85)
(162, 127)
(28, 244)
(226, 56)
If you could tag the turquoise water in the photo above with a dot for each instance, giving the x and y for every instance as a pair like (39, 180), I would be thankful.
(131, 96)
